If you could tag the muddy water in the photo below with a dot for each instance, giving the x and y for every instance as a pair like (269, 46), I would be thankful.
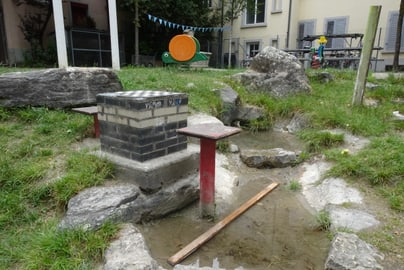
(279, 232)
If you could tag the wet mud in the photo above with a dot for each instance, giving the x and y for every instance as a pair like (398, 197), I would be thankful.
(279, 232)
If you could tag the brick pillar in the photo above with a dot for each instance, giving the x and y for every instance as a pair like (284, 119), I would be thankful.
(141, 125)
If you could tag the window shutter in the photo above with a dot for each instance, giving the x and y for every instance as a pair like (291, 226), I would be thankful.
(392, 33)
(308, 30)
(340, 26)
(301, 35)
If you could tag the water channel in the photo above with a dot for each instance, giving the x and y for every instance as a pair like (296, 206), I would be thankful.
(279, 232)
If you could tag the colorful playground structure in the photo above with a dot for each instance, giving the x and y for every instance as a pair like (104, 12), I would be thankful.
(183, 49)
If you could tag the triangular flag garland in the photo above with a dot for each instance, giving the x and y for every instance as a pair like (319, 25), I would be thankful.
(183, 27)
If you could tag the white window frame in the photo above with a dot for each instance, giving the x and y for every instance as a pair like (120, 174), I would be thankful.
(248, 44)
(256, 23)
(390, 39)
(276, 6)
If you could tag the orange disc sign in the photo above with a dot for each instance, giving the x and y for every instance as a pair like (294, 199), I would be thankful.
(182, 47)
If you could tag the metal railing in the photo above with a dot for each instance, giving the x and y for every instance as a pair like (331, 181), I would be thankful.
(90, 48)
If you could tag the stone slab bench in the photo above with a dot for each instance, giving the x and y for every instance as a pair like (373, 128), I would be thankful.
(90, 110)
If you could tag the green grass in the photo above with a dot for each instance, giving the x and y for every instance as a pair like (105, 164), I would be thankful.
(381, 164)
(294, 185)
(198, 84)
(323, 220)
(36, 141)
(31, 139)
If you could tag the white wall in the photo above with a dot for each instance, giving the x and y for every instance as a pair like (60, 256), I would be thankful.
(355, 10)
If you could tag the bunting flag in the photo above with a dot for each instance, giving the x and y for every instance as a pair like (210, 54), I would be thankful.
(183, 27)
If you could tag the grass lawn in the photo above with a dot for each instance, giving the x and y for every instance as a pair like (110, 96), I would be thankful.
(40, 170)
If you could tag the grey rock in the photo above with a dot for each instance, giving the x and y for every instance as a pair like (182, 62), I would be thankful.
(153, 175)
(124, 202)
(276, 73)
(371, 86)
(348, 252)
(233, 111)
(324, 77)
(398, 116)
(248, 112)
(351, 219)
(269, 158)
(94, 206)
(330, 191)
(298, 122)
(56, 88)
(233, 148)
(129, 252)
(231, 101)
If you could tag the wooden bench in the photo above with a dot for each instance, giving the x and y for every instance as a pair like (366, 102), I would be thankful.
(91, 110)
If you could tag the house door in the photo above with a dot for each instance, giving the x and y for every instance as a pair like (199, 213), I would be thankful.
(3, 44)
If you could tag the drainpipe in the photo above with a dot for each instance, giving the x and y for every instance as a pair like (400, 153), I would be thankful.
(289, 19)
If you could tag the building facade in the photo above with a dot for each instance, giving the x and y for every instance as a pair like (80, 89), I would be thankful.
(85, 21)
(284, 24)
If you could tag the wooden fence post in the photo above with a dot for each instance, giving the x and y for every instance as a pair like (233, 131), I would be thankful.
(369, 39)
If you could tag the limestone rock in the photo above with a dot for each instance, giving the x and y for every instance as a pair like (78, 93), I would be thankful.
(248, 113)
(233, 110)
(94, 206)
(129, 252)
(269, 158)
(56, 88)
(124, 202)
(351, 219)
(349, 252)
(230, 100)
(330, 191)
(298, 122)
(276, 73)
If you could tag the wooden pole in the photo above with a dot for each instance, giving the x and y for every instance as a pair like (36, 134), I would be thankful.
(366, 54)
(203, 238)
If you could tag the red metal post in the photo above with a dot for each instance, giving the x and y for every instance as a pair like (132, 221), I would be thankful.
(207, 177)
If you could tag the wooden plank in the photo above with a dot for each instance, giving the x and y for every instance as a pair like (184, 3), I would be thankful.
(209, 234)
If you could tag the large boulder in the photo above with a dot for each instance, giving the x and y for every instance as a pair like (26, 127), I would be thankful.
(233, 110)
(94, 206)
(348, 251)
(56, 88)
(276, 73)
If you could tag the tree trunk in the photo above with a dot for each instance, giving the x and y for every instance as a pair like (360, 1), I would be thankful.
(46, 21)
(230, 38)
(398, 37)
(137, 33)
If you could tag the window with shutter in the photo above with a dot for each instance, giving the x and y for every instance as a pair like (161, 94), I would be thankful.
(392, 33)
(305, 28)
(336, 26)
